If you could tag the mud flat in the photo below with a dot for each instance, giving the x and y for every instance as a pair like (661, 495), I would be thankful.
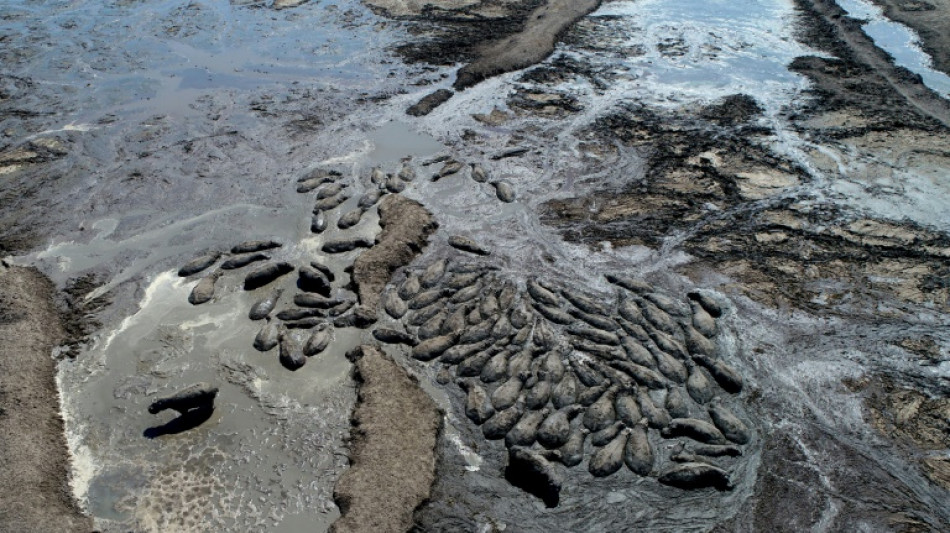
(34, 493)
(692, 223)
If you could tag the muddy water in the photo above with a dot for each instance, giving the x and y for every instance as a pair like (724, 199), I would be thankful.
(899, 41)
(287, 82)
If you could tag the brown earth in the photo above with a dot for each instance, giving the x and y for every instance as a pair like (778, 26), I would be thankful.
(395, 430)
(34, 494)
(406, 229)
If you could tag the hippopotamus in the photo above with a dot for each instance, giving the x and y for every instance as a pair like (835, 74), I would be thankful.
(553, 314)
(556, 428)
(496, 368)
(726, 376)
(608, 460)
(346, 245)
(626, 407)
(525, 431)
(197, 396)
(406, 173)
(395, 185)
(291, 356)
(602, 437)
(467, 245)
(602, 412)
(313, 280)
(565, 393)
(696, 476)
(478, 173)
(394, 305)
(638, 454)
(204, 289)
(266, 274)
(449, 168)
(350, 218)
(572, 453)
(502, 422)
(508, 392)
(267, 338)
(695, 429)
(248, 247)
(676, 403)
(318, 224)
(504, 191)
(243, 261)
(263, 307)
(478, 407)
(434, 347)
(730, 425)
(198, 264)
(319, 340)
(393, 336)
(369, 199)
(433, 273)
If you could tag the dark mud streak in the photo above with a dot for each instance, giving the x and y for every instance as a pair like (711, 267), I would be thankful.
(34, 495)
(454, 36)
(395, 430)
(791, 495)
(670, 144)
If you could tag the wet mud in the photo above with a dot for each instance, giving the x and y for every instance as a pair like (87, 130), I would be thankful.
(685, 264)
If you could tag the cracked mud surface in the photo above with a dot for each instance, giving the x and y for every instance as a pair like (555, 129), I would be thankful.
(765, 159)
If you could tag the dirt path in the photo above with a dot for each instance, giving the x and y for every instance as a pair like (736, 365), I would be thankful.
(34, 495)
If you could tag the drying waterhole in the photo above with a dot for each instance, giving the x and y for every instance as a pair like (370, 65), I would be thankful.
(680, 265)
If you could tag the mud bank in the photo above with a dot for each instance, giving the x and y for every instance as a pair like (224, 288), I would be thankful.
(930, 20)
(395, 428)
(406, 227)
(535, 42)
(34, 493)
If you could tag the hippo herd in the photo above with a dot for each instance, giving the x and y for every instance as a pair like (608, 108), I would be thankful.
(575, 376)
(547, 369)
(316, 307)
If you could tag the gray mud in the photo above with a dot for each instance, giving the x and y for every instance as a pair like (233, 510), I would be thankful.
(714, 147)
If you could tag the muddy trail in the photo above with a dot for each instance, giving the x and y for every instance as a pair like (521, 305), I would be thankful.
(533, 265)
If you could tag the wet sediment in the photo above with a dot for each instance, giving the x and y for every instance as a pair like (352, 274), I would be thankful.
(929, 18)
(610, 397)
